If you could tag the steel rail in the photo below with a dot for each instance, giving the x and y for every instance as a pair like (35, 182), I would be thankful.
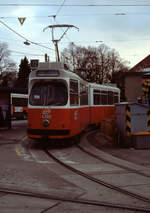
(112, 163)
(72, 200)
(106, 161)
(101, 182)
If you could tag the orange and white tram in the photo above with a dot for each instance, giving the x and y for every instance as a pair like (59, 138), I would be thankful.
(61, 104)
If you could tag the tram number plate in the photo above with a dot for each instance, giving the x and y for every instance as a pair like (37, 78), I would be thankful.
(46, 114)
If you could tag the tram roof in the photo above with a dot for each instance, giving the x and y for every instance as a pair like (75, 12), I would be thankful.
(53, 69)
(104, 86)
(57, 69)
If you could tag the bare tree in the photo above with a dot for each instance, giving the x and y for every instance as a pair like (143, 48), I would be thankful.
(81, 60)
(4, 54)
(93, 64)
(8, 79)
(7, 66)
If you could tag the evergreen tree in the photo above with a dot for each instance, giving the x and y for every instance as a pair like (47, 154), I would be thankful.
(23, 75)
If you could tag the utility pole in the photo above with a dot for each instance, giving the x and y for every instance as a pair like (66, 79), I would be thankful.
(67, 26)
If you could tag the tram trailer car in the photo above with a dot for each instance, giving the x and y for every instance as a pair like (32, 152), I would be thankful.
(61, 104)
(19, 106)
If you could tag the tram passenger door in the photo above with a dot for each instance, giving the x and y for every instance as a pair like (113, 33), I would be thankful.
(84, 106)
(74, 107)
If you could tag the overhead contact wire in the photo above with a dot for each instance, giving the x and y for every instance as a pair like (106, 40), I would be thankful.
(24, 37)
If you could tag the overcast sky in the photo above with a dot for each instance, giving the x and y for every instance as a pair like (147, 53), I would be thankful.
(121, 25)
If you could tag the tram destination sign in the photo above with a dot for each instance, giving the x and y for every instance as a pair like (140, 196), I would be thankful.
(48, 73)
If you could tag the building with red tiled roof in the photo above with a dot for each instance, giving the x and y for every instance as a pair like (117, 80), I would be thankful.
(133, 79)
(145, 63)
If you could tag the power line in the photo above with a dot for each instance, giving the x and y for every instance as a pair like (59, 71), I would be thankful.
(23, 53)
(27, 41)
(86, 41)
(109, 40)
(60, 8)
(83, 14)
(62, 31)
(74, 5)
(98, 14)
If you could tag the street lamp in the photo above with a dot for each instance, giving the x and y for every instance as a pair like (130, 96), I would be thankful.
(26, 43)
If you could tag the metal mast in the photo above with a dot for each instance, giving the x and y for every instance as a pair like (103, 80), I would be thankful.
(58, 40)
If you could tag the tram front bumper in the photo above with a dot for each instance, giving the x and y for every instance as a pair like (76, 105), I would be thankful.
(47, 132)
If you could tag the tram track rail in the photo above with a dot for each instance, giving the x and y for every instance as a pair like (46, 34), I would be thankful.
(127, 168)
(78, 200)
(73, 200)
(98, 181)
(112, 163)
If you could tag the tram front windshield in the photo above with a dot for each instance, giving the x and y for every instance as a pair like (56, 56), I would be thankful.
(50, 93)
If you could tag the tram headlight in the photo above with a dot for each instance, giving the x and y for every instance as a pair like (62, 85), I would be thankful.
(46, 123)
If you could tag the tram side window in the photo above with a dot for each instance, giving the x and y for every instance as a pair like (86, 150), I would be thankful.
(83, 95)
(74, 99)
(97, 97)
(116, 97)
(19, 101)
(110, 98)
(104, 97)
